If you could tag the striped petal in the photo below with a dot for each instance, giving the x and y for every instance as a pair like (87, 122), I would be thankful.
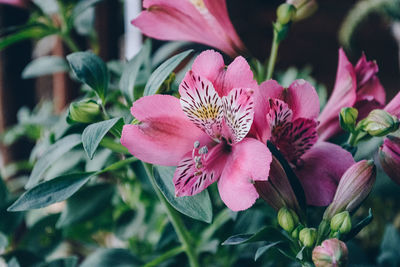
(238, 108)
(201, 104)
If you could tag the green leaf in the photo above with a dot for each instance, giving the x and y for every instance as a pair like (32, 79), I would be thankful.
(49, 7)
(115, 257)
(94, 133)
(3, 190)
(36, 31)
(85, 204)
(91, 70)
(64, 262)
(197, 207)
(3, 242)
(119, 164)
(131, 71)
(267, 233)
(49, 192)
(54, 152)
(166, 51)
(261, 250)
(44, 66)
(359, 226)
(163, 71)
(81, 7)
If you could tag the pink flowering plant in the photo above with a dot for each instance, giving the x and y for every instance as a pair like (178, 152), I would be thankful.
(174, 159)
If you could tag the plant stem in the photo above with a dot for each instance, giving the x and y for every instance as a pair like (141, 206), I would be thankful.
(70, 43)
(169, 254)
(175, 219)
(273, 55)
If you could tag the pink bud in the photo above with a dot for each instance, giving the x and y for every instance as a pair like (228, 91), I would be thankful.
(331, 253)
(277, 191)
(353, 188)
(389, 156)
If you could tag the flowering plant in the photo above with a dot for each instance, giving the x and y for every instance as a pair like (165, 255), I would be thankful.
(183, 159)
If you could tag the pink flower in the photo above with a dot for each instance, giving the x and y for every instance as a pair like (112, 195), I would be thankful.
(18, 3)
(389, 155)
(201, 21)
(204, 132)
(357, 87)
(331, 253)
(287, 117)
(393, 107)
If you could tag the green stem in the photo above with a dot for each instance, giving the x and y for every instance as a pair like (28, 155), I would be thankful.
(176, 221)
(169, 254)
(273, 55)
(70, 43)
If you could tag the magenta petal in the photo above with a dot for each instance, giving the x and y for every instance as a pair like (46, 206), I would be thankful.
(209, 64)
(324, 164)
(249, 161)
(165, 134)
(18, 3)
(343, 95)
(302, 99)
(394, 106)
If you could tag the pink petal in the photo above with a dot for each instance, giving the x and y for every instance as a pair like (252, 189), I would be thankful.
(303, 99)
(268, 89)
(186, 20)
(18, 3)
(296, 138)
(238, 75)
(394, 106)
(165, 134)
(249, 161)
(343, 95)
(238, 114)
(323, 166)
(210, 65)
(219, 10)
(190, 179)
(201, 103)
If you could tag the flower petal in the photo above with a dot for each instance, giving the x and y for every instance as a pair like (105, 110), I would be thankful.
(191, 178)
(210, 65)
(201, 104)
(238, 113)
(249, 161)
(165, 134)
(394, 106)
(303, 99)
(323, 166)
(343, 95)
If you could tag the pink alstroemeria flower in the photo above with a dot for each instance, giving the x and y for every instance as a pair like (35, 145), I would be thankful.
(18, 3)
(357, 87)
(393, 107)
(201, 21)
(204, 132)
(288, 118)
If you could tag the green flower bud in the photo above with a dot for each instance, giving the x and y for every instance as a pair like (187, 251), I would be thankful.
(296, 231)
(285, 13)
(287, 219)
(341, 222)
(86, 111)
(380, 123)
(348, 118)
(308, 236)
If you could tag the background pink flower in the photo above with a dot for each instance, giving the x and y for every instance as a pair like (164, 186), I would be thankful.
(201, 21)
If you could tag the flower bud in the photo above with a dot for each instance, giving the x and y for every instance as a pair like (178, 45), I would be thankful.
(353, 188)
(380, 123)
(285, 13)
(86, 111)
(296, 231)
(308, 236)
(348, 118)
(287, 219)
(304, 8)
(389, 157)
(331, 253)
(341, 222)
(277, 191)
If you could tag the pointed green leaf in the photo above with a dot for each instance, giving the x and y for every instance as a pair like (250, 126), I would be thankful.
(197, 207)
(49, 192)
(162, 72)
(53, 153)
(116, 257)
(94, 133)
(131, 71)
(267, 233)
(359, 226)
(261, 250)
(45, 66)
(91, 70)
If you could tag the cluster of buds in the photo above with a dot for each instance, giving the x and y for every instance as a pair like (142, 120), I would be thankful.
(380, 123)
